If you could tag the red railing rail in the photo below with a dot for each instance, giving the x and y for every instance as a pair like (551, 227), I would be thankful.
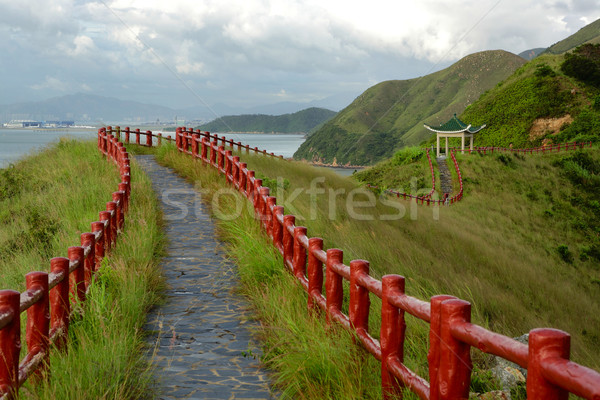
(49, 297)
(556, 148)
(186, 138)
(446, 200)
(427, 199)
(451, 334)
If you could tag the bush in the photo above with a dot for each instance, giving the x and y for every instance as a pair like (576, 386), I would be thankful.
(408, 155)
(565, 254)
(583, 64)
(544, 70)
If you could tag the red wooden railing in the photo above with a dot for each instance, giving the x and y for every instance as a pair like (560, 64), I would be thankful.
(127, 132)
(426, 199)
(451, 336)
(558, 147)
(49, 296)
(485, 150)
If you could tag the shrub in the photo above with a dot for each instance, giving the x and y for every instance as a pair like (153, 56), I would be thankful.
(565, 254)
(583, 64)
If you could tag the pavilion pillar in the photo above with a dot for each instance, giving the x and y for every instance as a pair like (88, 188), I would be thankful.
(471, 142)
(446, 147)
(438, 145)
(462, 144)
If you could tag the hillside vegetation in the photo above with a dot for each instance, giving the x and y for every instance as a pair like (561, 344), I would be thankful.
(46, 201)
(588, 34)
(523, 245)
(518, 246)
(304, 121)
(538, 104)
(390, 115)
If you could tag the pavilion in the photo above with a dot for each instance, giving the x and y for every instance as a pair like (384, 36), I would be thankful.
(455, 128)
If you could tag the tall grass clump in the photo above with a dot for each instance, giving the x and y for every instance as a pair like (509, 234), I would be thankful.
(498, 248)
(310, 360)
(61, 192)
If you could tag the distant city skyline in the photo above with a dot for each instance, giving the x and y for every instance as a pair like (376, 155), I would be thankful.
(184, 53)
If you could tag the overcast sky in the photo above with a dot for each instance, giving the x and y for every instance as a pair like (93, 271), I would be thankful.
(183, 53)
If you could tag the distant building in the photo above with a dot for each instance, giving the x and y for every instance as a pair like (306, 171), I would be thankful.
(18, 123)
(58, 124)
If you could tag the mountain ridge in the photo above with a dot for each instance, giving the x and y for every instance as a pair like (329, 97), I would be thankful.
(390, 114)
(303, 121)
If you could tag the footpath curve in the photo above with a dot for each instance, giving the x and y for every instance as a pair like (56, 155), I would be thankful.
(202, 334)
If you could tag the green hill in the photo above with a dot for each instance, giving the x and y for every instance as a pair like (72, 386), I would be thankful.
(536, 105)
(588, 34)
(390, 115)
(300, 122)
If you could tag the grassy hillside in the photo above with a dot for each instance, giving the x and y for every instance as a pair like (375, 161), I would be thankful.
(588, 34)
(518, 246)
(537, 104)
(390, 115)
(523, 245)
(302, 121)
(46, 201)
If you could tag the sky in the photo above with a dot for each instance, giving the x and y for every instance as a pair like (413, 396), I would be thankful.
(244, 53)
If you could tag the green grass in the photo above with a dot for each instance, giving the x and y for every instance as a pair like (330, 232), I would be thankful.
(498, 248)
(390, 115)
(48, 200)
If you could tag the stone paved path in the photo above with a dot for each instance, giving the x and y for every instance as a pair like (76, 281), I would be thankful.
(445, 176)
(201, 335)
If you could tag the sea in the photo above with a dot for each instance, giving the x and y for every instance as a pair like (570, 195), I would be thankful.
(18, 143)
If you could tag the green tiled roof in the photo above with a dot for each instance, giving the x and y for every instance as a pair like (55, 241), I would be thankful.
(455, 125)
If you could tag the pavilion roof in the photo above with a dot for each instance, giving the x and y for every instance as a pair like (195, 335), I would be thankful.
(455, 125)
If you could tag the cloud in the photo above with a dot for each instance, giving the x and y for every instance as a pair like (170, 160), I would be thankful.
(246, 51)
(51, 83)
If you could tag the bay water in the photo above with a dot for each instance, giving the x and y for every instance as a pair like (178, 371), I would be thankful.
(17, 143)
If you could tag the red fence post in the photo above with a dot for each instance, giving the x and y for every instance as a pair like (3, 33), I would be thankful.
(360, 302)
(268, 212)
(195, 138)
(137, 136)
(204, 147)
(10, 343)
(149, 138)
(111, 207)
(124, 187)
(544, 346)
(221, 158)
(299, 258)
(278, 228)
(250, 185)
(433, 357)
(88, 239)
(263, 194)
(288, 241)
(314, 272)
(127, 133)
(38, 321)
(98, 226)
(213, 153)
(228, 166)
(334, 288)
(235, 171)
(242, 177)
(59, 303)
(105, 216)
(256, 197)
(118, 199)
(76, 278)
(454, 374)
(393, 329)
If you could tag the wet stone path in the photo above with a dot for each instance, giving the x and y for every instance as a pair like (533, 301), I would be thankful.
(201, 336)
(445, 176)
